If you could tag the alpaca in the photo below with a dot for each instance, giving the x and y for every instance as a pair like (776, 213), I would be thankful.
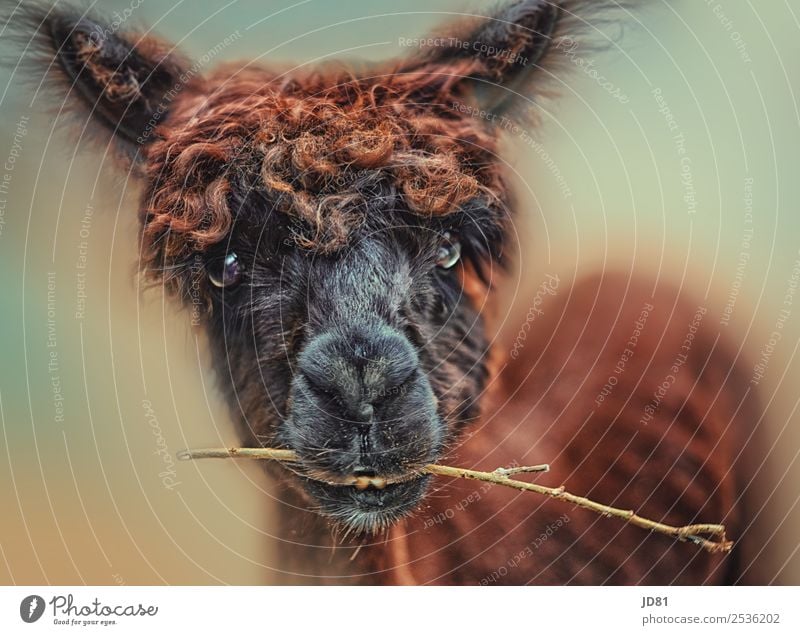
(340, 230)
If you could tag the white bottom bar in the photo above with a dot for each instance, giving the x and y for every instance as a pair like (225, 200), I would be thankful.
(441, 610)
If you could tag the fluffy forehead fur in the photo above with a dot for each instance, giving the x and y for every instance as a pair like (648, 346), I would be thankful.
(321, 148)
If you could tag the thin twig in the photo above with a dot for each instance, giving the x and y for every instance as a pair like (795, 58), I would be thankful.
(709, 537)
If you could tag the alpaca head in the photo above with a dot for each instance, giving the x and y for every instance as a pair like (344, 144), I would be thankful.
(336, 231)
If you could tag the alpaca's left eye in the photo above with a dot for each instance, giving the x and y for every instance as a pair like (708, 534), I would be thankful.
(228, 273)
(449, 252)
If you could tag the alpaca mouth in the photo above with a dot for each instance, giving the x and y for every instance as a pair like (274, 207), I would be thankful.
(362, 482)
(368, 504)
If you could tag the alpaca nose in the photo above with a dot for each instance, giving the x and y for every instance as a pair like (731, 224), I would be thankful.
(361, 406)
(358, 368)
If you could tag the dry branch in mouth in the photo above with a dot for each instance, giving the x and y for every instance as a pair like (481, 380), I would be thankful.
(710, 537)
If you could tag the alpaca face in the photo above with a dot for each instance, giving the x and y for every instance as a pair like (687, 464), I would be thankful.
(335, 239)
(366, 362)
(335, 229)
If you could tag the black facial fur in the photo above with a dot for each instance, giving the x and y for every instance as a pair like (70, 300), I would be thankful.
(364, 361)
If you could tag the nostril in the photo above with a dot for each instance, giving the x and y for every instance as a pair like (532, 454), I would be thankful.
(396, 381)
(403, 363)
(317, 364)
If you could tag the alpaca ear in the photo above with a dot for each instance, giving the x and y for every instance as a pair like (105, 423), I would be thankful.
(498, 61)
(125, 82)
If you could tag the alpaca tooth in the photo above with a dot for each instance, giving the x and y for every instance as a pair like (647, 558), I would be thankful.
(362, 482)
(378, 482)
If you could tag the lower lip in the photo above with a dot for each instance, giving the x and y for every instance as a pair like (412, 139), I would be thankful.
(392, 495)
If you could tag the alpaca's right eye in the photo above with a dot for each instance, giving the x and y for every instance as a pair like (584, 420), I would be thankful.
(227, 273)
(449, 252)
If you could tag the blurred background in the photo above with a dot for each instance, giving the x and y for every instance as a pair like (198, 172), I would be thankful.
(679, 163)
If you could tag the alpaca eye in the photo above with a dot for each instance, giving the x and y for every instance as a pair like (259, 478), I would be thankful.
(228, 274)
(449, 252)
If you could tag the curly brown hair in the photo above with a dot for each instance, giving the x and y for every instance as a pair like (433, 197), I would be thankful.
(315, 143)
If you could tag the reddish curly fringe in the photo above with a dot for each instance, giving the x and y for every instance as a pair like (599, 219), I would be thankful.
(310, 140)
